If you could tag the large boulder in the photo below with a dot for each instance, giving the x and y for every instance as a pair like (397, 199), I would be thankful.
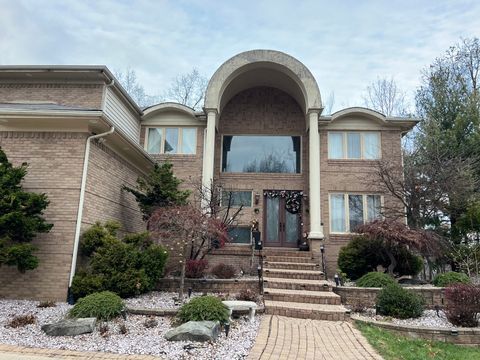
(195, 331)
(70, 327)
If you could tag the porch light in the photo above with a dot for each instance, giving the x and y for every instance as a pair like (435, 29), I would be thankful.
(257, 198)
(337, 280)
(322, 249)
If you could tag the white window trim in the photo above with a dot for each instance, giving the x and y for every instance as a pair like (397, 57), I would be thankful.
(179, 142)
(233, 190)
(362, 145)
(347, 210)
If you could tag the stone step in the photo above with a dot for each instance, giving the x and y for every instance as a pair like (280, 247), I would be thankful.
(297, 284)
(307, 311)
(286, 252)
(290, 265)
(291, 259)
(293, 274)
(302, 296)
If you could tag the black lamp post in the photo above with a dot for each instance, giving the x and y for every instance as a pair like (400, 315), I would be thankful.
(189, 292)
(227, 328)
(324, 269)
(259, 272)
(337, 280)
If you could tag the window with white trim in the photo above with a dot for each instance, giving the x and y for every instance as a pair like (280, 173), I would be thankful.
(171, 140)
(357, 145)
(347, 211)
(240, 234)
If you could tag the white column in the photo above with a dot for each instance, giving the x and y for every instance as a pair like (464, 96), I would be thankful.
(209, 154)
(316, 228)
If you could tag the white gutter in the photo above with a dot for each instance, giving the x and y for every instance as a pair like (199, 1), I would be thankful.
(81, 201)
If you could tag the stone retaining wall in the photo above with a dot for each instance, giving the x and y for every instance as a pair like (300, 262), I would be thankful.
(459, 336)
(209, 285)
(433, 295)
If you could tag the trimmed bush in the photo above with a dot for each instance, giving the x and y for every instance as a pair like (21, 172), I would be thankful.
(393, 300)
(127, 267)
(195, 269)
(463, 304)
(104, 305)
(203, 308)
(363, 255)
(224, 271)
(375, 279)
(450, 278)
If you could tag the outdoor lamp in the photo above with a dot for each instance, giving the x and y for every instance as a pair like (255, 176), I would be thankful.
(227, 328)
(189, 292)
(259, 271)
(322, 249)
(337, 280)
(257, 198)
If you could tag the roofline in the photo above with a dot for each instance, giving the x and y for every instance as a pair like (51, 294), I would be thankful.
(103, 69)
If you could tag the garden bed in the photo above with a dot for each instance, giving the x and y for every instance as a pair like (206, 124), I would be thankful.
(235, 346)
(210, 284)
(429, 326)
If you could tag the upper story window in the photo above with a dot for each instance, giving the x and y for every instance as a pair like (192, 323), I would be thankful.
(170, 140)
(347, 211)
(261, 154)
(354, 145)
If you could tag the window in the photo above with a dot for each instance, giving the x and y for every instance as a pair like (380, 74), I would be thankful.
(354, 145)
(237, 198)
(171, 140)
(261, 154)
(239, 235)
(347, 211)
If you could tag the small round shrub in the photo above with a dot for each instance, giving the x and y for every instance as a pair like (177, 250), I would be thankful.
(248, 295)
(450, 278)
(360, 256)
(463, 304)
(203, 308)
(375, 279)
(104, 305)
(195, 269)
(393, 300)
(224, 271)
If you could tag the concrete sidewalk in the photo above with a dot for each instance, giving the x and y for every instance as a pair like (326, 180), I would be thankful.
(287, 338)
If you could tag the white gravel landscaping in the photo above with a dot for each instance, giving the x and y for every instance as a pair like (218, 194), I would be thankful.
(429, 319)
(138, 340)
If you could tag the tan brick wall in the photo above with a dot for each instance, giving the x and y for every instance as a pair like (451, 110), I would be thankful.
(258, 111)
(55, 167)
(104, 198)
(81, 95)
(350, 176)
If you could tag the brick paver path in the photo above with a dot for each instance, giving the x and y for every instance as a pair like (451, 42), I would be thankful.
(282, 337)
(10, 352)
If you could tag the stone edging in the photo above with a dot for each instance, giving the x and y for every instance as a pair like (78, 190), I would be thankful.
(460, 336)
(172, 312)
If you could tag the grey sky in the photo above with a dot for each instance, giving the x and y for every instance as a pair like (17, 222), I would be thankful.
(346, 44)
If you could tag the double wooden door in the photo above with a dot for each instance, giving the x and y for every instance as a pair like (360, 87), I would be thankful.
(281, 227)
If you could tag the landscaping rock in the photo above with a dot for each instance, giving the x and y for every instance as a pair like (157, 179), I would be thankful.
(195, 331)
(70, 327)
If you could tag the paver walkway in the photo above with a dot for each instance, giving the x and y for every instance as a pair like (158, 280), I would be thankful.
(10, 352)
(282, 337)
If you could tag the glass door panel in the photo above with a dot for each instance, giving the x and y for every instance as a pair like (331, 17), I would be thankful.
(272, 220)
(291, 229)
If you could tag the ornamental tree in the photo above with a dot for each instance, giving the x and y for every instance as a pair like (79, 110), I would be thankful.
(20, 217)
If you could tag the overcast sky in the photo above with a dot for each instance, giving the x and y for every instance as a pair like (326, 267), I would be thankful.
(346, 44)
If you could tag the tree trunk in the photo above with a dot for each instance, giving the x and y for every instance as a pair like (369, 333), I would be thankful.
(393, 262)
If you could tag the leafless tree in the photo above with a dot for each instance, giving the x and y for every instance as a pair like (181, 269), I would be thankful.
(329, 104)
(129, 82)
(188, 89)
(385, 96)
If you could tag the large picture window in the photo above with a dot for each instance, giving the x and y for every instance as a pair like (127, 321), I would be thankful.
(354, 145)
(171, 140)
(347, 211)
(261, 154)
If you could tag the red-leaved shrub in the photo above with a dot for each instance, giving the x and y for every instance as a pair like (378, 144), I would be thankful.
(223, 271)
(248, 295)
(463, 304)
(195, 268)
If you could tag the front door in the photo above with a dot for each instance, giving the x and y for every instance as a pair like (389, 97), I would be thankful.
(282, 226)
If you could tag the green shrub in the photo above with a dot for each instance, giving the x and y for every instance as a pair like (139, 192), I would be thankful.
(203, 308)
(127, 267)
(363, 255)
(393, 300)
(104, 305)
(85, 283)
(450, 278)
(375, 279)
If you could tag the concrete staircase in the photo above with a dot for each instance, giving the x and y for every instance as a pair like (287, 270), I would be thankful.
(294, 286)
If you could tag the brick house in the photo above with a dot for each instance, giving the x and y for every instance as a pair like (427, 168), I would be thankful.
(261, 134)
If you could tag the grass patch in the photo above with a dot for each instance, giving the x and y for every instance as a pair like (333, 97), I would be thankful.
(394, 347)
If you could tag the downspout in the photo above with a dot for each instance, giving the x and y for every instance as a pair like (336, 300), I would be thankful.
(80, 209)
